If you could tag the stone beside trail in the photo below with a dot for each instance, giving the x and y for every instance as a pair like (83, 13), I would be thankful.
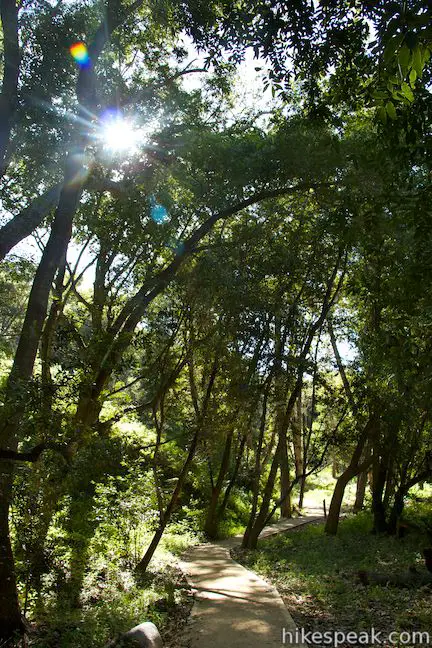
(235, 608)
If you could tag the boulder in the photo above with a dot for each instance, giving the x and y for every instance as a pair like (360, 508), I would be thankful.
(145, 635)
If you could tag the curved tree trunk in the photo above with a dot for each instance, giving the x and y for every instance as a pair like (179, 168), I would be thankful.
(250, 538)
(332, 522)
(351, 471)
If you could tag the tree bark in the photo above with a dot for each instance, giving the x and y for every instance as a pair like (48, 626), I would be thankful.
(10, 615)
(396, 511)
(257, 467)
(11, 63)
(378, 485)
(298, 446)
(212, 518)
(24, 223)
(354, 468)
(332, 521)
(233, 478)
(250, 538)
(360, 491)
(285, 479)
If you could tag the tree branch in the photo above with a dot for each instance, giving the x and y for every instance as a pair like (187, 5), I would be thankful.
(34, 454)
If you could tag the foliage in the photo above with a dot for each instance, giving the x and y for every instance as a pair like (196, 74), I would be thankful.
(168, 354)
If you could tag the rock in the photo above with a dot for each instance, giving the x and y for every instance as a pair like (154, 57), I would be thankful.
(145, 635)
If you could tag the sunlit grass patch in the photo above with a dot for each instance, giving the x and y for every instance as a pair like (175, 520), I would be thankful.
(317, 576)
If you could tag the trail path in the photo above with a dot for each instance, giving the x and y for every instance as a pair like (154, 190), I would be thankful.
(235, 608)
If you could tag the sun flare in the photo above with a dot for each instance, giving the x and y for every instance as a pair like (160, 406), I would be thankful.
(118, 134)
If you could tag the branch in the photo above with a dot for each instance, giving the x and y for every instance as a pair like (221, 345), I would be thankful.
(342, 372)
(131, 313)
(34, 454)
(114, 18)
(24, 223)
(31, 217)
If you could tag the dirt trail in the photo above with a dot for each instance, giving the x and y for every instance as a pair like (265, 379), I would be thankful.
(235, 608)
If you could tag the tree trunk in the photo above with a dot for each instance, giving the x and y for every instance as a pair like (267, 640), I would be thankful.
(297, 432)
(396, 511)
(257, 471)
(145, 560)
(361, 491)
(390, 485)
(378, 485)
(233, 478)
(332, 522)
(285, 479)
(212, 519)
(351, 471)
(335, 468)
(302, 491)
(256, 525)
(10, 615)
(24, 223)
(11, 64)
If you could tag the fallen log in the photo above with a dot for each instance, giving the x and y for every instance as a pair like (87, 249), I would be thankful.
(411, 579)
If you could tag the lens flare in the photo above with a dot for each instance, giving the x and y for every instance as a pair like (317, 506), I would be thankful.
(118, 134)
(80, 54)
(158, 213)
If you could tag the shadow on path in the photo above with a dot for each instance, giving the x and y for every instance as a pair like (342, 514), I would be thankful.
(235, 608)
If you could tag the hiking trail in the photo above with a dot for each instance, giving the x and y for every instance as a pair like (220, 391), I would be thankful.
(235, 608)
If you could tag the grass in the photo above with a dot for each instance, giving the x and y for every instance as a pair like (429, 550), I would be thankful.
(316, 575)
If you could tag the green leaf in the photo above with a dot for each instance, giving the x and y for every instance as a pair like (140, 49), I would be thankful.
(417, 61)
(391, 110)
(392, 47)
(412, 77)
(407, 92)
(404, 56)
(382, 114)
(379, 94)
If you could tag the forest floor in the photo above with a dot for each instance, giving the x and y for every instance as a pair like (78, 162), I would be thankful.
(233, 606)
